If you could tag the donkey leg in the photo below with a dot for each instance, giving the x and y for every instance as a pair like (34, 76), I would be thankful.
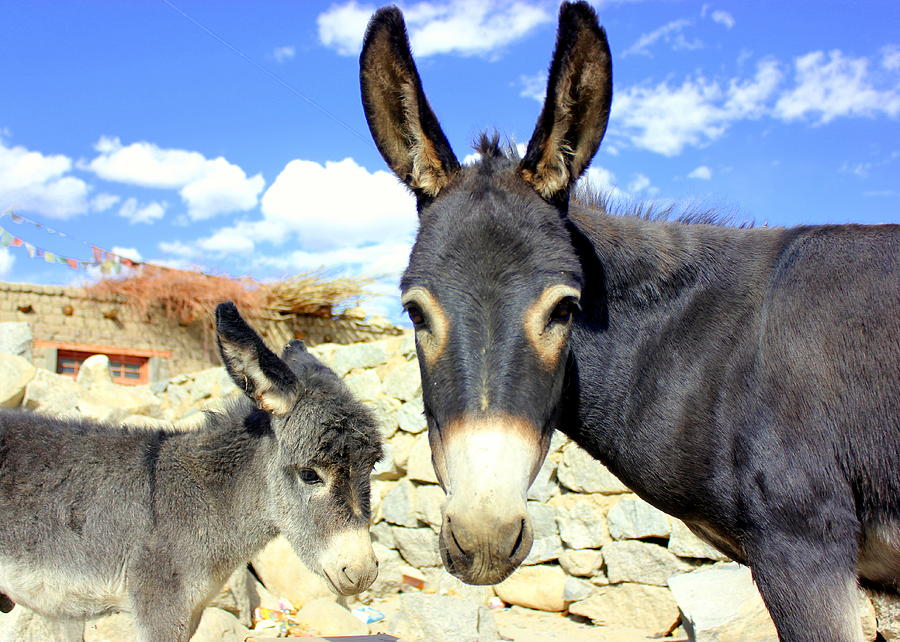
(809, 587)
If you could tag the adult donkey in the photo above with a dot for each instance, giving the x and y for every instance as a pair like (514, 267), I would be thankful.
(97, 519)
(744, 380)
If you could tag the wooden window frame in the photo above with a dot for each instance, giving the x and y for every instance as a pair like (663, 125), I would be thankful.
(120, 360)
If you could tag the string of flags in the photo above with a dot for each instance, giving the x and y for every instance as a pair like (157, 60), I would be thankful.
(108, 262)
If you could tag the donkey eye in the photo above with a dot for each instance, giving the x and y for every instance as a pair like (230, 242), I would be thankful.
(415, 315)
(309, 476)
(563, 311)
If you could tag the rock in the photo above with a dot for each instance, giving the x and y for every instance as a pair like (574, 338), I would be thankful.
(358, 355)
(544, 485)
(283, 574)
(112, 402)
(887, 612)
(391, 569)
(15, 373)
(15, 339)
(442, 618)
(408, 345)
(399, 505)
(94, 370)
(404, 382)
(385, 411)
(577, 589)
(581, 521)
(380, 489)
(239, 596)
(211, 382)
(383, 534)
(365, 386)
(868, 618)
(386, 467)
(111, 628)
(411, 416)
(648, 608)
(581, 563)
(536, 587)
(429, 505)
(217, 625)
(633, 518)
(325, 617)
(683, 543)
(722, 603)
(402, 443)
(24, 625)
(547, 544)
(446, 584)
(419, 467)
(640, 562)
(580, 472)
(418, 546)
(51, 393)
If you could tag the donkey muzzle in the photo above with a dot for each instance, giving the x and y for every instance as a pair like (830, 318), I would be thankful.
(348, 564)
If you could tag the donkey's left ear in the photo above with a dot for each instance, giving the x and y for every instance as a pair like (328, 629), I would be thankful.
(402, 123)
(576, 109)
(253, 367)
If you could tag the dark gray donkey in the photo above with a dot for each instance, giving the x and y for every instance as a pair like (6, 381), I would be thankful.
(96, 519)
(744, 380)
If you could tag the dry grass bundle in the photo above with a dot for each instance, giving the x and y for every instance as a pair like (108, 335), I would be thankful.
(186, 296)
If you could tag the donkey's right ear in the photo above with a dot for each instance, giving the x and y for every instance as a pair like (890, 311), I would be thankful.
(253, 367)
(405, 129)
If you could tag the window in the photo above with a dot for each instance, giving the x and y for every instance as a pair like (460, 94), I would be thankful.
(124, 369)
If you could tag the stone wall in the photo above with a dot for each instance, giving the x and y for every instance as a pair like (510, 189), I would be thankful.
(600, 553)
(68, 315)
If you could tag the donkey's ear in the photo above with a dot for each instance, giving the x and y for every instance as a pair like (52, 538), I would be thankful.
(576, 109)
(254, 368)
(405, 129)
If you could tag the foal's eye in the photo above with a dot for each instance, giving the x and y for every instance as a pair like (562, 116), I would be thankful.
(415, 315)
(563, 311)
(309, 476)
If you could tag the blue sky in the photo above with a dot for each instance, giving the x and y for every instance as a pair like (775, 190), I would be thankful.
(179, 132)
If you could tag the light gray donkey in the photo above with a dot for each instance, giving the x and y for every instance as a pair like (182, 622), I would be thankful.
(96, 519)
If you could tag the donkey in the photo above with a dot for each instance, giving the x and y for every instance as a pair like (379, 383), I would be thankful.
(98, 519)
(743, 380)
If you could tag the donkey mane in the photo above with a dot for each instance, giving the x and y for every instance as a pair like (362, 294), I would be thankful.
(593, 198)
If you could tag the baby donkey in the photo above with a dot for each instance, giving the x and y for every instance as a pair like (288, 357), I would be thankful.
(96, 519)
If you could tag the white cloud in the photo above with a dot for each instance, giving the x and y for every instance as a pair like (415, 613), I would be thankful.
(723, 18)
(671, 33)
(890, 57)
(142, 213)
(831, 85)
(207, 186)
(283, 54)
(128, 252)
(666, 119)
(640, 183)
(33, 182)
(702, 173)
(600, 179)
(534, 86)
(6, 262)
(178, 248)
(102, 202)
(465, 27)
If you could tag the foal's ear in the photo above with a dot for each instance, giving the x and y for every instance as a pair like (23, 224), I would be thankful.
(254, 368)
(576, 109)
(405, 129)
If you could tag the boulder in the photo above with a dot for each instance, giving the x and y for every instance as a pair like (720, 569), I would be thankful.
(51, 393)
(404, 382)
(683, 543)
(385, 411)
(386, 467)
(326, 617)
(429, 504)
(15, 373)
(633, 518)
(24, 625)
(399, 505)
(111, 628)
(539, 587)
(217, 625)
(402, 443)
(112, 402)
(722, 603)
(577, 589)
(547, 544)
(418, 546)
(411, 416)
(283, 574)
(358, 355)
(641, 562)
(581, 520)
(582, 473)
(581, 563)
(15, 339)
(544, 485)
(365, 386)
(240, 595)
(391, 569)
(442, 618)
(383, 534)
(886, 605)
(94, 370)
(419, 467)
(632, 606)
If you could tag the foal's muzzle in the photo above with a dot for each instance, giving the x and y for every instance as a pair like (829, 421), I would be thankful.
(348, 564)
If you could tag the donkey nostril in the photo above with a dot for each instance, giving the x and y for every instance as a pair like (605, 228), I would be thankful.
(456, 541)
(348, 573)
(519, 539)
